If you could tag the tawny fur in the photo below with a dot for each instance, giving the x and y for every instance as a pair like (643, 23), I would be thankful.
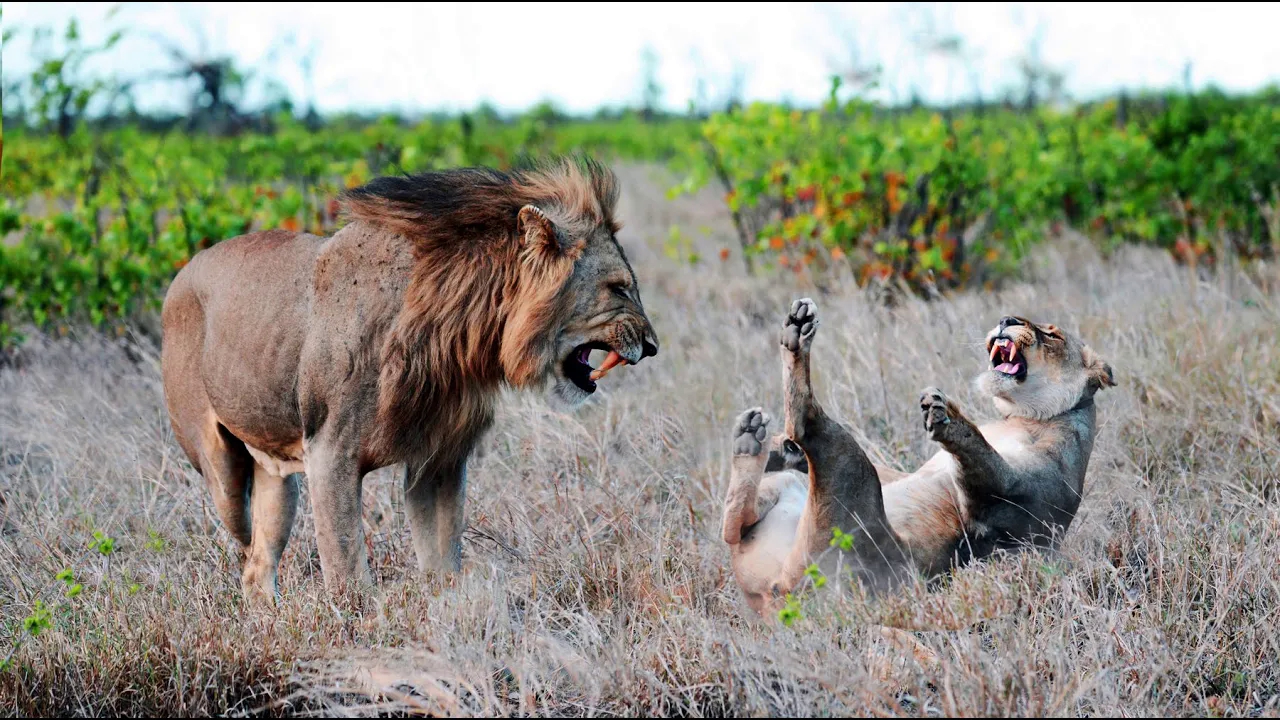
(1006, 485)
(388, 343)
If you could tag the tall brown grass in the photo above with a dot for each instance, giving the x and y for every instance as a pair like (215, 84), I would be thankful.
(594, 581)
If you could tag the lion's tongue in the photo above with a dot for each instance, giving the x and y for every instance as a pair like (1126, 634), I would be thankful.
(1009, 368)
(612, 360)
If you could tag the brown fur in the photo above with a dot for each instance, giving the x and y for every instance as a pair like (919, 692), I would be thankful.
(459, 335)
(1003, 486)
(388, 343)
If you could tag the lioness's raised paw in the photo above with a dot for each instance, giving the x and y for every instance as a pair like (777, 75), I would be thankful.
(800, 325)
(750, 431)
(934, 405)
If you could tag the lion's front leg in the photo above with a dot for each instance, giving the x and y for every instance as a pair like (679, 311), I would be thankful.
(434, 502)
(274, 506)
(983, 471)
(335, 480)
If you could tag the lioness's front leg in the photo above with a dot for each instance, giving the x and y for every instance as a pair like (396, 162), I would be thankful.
(983, 471)
(434, 501)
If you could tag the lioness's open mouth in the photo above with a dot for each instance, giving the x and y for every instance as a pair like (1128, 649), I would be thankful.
(1006, 360)
(577, 367)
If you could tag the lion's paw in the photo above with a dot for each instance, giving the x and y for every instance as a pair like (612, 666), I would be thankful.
(800, 326)
(933, 405)
(750, 431)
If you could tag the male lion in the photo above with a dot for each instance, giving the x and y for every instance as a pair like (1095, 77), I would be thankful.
(388, 343)
(1004, 485)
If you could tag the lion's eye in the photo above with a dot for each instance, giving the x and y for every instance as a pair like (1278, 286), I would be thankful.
(620, 291)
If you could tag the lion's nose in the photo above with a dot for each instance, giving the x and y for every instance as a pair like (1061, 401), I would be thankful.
(649, 345)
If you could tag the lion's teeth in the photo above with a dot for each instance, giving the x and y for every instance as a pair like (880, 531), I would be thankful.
(612, 360)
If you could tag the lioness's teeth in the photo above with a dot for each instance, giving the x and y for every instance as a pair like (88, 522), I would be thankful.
(995, 348)
(1013, 351)
(610, 362)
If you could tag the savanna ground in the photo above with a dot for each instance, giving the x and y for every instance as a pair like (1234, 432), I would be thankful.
(595, 582)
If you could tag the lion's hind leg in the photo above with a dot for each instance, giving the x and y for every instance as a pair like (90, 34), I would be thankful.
(228, 471)
(275, 504)
(219, 456)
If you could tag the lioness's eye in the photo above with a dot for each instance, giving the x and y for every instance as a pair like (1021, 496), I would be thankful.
(1053, 335)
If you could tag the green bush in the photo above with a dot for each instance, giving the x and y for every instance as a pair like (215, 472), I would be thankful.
(104, 219)
(959, 197)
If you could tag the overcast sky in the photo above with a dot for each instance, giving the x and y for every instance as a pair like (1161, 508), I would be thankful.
(425, 56)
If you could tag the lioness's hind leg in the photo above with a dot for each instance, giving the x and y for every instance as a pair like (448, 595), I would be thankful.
(797, 339)
(275, 504)
(750, 431)
(844, 489)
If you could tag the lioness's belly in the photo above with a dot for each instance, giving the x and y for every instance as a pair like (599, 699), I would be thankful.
(922, 509)
(758, 559)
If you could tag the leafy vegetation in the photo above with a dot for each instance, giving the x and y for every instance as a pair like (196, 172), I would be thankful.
(98, 223)
(100, 220)
(958, 196)
(98, 212)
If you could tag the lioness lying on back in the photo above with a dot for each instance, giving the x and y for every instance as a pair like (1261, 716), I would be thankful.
(1008, 484)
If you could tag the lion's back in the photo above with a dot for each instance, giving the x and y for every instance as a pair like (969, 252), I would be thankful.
(253, 262)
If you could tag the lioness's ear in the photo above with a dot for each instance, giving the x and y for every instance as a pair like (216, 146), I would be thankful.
(1097, 369)
(536, 230)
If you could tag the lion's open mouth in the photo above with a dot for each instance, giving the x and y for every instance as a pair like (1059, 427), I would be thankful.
(1006, 360)
(577, 367)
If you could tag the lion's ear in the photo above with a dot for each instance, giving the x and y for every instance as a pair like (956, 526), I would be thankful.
(1097, 369)
(537, 231)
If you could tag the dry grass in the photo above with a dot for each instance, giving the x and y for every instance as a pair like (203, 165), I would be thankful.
(595, 582)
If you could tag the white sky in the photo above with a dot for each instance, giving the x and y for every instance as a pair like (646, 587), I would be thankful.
(425, 56)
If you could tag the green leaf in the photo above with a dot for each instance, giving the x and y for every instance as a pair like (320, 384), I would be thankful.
(102, 543)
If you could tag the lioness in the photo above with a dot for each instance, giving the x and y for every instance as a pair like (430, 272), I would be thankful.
(388, 343)
(1004, 485)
